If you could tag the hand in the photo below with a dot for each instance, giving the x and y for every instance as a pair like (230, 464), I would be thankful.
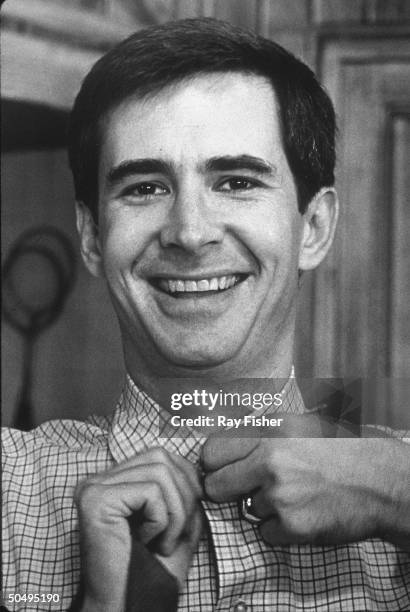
(164, 490)
(314, 490)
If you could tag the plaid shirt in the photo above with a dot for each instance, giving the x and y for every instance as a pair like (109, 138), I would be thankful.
(233, 569)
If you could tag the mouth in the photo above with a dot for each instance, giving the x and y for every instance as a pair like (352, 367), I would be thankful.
(200, 287)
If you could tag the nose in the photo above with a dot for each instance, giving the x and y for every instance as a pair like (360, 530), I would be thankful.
(190, 224)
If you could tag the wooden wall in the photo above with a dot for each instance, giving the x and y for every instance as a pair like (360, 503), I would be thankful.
(354, 311)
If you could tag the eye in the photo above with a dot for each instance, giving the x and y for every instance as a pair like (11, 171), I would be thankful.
(145, 190)
(237, 183)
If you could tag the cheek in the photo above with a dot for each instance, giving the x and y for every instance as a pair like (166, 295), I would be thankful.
(270, 234)
(125, 237)
(118, 256)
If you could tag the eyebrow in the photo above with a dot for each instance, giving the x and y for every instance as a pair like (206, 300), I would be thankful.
(136, 166)
(226, 163)
(239, 162)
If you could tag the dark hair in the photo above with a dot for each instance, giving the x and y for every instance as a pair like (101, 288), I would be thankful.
(154, 58)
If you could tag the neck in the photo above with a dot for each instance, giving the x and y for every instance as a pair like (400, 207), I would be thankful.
(146, 369)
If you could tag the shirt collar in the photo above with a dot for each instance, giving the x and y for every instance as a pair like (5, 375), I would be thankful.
(139, 423)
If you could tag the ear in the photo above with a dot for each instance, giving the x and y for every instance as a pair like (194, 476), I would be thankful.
(89, 240)
(319, 225)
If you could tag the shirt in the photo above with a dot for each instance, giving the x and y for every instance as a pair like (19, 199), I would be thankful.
(233, 569)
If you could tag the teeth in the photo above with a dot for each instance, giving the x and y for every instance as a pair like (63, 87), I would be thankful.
(222, 282)
(191, 286)
(206, 284)
(203, 285)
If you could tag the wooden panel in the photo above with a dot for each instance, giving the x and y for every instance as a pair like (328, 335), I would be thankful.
(264, 12)
(188, 8)
(298, 41)
(387, 11)
(399, 391)
(90, 5)
(259, 15)
(144, 11)
(365, 319)
(240, 13)
(361, 307)
(70, 22)
(287, 13)
(361, 11)
(348, 76)
(400, 249)
(324, 11)
(208, 8)
(42, 71)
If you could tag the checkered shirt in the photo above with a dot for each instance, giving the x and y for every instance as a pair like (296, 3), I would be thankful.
(233, 569)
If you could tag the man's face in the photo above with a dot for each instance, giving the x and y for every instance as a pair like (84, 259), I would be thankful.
(199, 228)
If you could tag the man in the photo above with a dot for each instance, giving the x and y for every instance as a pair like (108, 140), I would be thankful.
(203, 161)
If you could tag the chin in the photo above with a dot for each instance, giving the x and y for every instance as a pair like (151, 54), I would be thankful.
(198, 357)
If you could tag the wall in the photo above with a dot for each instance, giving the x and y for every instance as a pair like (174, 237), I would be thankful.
(77, 362)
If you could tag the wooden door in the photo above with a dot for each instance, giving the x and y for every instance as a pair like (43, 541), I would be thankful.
(362, 293)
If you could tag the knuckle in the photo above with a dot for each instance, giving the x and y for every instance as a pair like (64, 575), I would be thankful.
(299, 523)
(154, 492)
(159, 455)
(207, 454)
(88, 495)
(270, 463)
(82, 488)
(285, 495)
(209, 488)
(179, 522)
(271, 497)
(161, 471)
(276, 459)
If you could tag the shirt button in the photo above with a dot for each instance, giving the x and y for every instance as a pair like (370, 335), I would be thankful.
(241, 606)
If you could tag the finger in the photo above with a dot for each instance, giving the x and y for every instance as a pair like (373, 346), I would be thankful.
(160, 455)
(196, 527)
(172, 475)
(235, 479)
(188, 495)
(156, 516)
(183, 473)
(218, 452)
(105, 539)
(101, 507)
(166, 478)
(155, 509)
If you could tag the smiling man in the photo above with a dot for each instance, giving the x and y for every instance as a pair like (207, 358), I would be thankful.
(199, 233)
(203, 161)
